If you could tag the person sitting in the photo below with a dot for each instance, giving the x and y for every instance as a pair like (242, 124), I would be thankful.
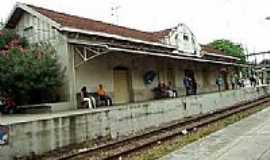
(103, 95)
(164, 90)
(253, 81)
(171, 91)
(86, 98)
(161, 90)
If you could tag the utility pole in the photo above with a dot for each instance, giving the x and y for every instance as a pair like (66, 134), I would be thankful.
(114, 13)
(1, 23)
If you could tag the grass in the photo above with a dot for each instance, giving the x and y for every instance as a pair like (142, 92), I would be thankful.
(180, 141)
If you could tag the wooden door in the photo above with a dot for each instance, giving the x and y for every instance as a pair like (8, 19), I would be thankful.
(225, 79)
(121, 86)
(171, 76)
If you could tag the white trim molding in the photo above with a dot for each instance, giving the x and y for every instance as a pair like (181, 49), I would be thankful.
(219, 55)
(69, 29)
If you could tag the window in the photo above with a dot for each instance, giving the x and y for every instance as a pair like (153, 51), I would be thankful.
(193, 41)
(28, 31)
(185, 37)
(176, 37)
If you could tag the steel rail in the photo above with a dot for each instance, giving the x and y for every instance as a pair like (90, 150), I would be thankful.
(114, 150)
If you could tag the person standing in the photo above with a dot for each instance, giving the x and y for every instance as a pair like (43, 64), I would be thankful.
(252, 80)
(187, 84)
(219, 82)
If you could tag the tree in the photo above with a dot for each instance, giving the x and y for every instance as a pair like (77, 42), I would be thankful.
(229, 48)
(9, 40)
(30, 74)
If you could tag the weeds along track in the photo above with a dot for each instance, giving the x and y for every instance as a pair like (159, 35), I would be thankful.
(114, 150)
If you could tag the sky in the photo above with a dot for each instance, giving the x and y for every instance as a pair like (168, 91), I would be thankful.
(242, 21)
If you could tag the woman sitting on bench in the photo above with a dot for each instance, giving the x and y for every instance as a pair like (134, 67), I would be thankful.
(103, 95)
(86, 98)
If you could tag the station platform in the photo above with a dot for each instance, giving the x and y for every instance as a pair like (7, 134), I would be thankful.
(248, 139)
(27, 134)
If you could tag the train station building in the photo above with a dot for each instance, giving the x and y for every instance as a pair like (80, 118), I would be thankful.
(130, 64)
(120, 58)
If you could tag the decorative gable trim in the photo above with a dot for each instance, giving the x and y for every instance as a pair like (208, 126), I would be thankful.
(184, 40)
(32, 12)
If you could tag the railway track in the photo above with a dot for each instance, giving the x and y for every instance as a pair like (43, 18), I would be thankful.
(114, 150)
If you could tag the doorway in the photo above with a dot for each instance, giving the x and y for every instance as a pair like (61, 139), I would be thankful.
(121, 87)
(190, 73)
(171, 76)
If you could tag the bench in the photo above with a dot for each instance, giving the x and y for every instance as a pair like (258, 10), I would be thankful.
(158, 94)
(83, 104)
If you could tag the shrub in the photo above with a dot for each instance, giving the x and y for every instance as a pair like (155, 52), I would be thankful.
(29, 74)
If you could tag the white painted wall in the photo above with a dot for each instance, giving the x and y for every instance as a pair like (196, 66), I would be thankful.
(177, 38)
(37, 30)
(40, 31)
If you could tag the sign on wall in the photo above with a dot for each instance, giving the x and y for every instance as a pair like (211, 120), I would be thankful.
(3, 134)
(149, 77)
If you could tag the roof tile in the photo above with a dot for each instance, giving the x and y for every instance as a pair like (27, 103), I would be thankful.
(99, 26)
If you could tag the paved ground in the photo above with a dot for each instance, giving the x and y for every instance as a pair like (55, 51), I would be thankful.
(248, 139)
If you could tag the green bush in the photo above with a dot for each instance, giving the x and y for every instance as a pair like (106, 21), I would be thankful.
(229, 48)
(7, 36)
(29, 75)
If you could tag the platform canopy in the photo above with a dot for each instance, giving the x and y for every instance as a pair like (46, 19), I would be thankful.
(88, 51)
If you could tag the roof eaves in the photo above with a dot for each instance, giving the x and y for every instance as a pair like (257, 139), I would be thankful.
(179, 57)
(220, 55)
(69, 29)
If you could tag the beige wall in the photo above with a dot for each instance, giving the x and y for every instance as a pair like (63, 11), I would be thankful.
(100, 71)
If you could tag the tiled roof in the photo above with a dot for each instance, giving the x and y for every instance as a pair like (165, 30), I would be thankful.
(215, 52)
(76, 22)
(211, 50)
(99, 26)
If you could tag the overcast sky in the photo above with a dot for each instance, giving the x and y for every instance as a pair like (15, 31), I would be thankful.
(238, 20)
